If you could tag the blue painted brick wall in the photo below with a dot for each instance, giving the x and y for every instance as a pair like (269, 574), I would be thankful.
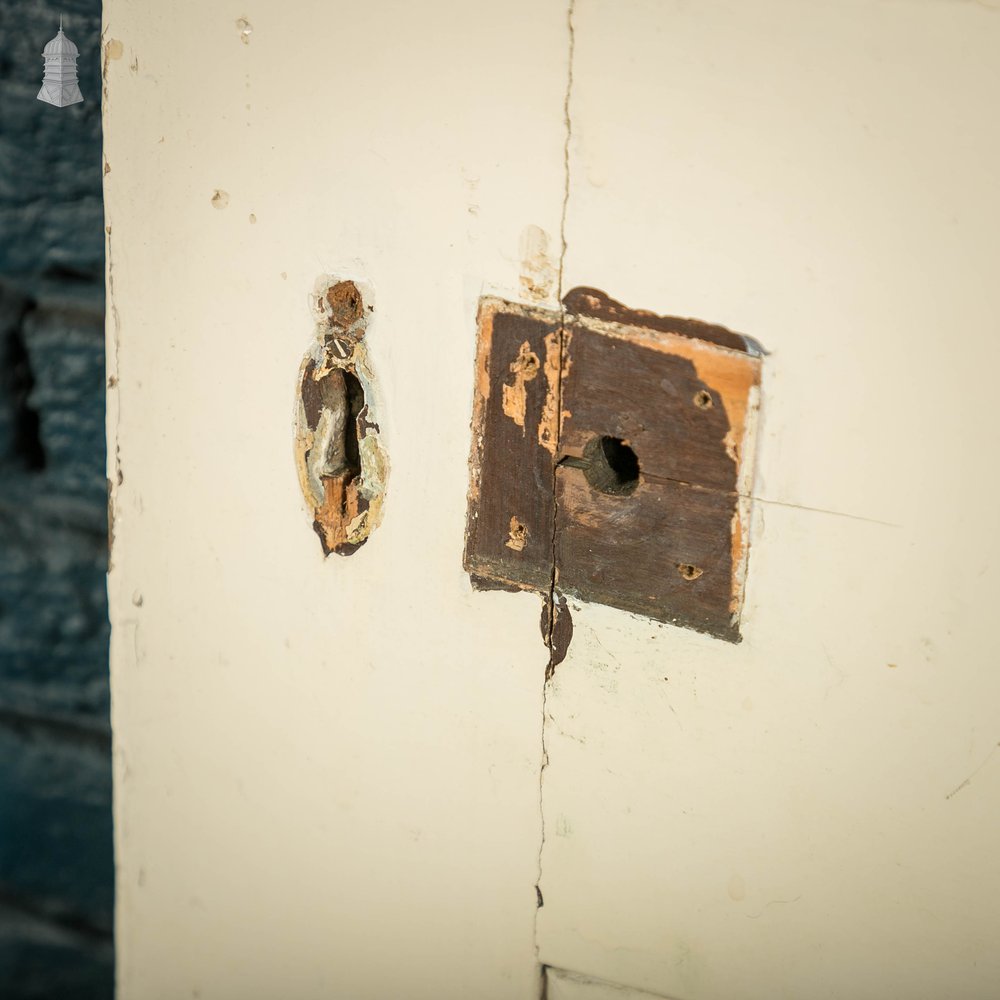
(56, 869)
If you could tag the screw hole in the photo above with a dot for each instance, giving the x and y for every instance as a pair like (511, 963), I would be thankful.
(703, 400)
(612, 466)
(518, 535)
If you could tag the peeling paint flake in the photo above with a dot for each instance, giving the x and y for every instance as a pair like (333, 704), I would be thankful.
(524, 368)
(517, 536)
(557, 362)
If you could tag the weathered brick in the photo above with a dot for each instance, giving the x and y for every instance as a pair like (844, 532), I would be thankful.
(55, 827)
(40, 961)
(15, 381)
(53, 614)
(66, 355)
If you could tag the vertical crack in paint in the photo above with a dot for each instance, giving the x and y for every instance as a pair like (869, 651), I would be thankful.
(556, 652)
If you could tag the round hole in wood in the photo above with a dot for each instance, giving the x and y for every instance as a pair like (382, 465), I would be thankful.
(612, 466)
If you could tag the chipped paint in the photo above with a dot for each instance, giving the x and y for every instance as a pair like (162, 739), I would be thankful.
(517, 536)
(489, 307)
(744, 500)
(524, 369)
(341, 464)
(557, 365)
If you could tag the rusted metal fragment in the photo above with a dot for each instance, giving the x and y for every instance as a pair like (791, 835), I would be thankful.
(509, 532)
(341, 464)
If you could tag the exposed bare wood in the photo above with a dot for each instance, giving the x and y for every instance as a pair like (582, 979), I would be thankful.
(651, 455)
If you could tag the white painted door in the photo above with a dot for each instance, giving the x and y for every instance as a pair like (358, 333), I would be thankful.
(329, 771)
(811, 813)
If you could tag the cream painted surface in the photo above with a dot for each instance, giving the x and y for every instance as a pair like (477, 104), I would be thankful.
(327, 772)
(563, 985)
(787, 817)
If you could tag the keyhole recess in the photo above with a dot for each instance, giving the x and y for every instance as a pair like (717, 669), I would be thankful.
(343, 457)
(341, 464)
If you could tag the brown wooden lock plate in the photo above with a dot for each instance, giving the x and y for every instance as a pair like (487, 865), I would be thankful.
(612, 459)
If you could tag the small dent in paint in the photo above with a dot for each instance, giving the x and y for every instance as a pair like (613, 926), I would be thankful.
(220, 199)
(737, 889)
(253, 219)
(538, 269)
(245, 28)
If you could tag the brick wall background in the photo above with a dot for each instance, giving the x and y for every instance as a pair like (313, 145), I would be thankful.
(56, 868)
